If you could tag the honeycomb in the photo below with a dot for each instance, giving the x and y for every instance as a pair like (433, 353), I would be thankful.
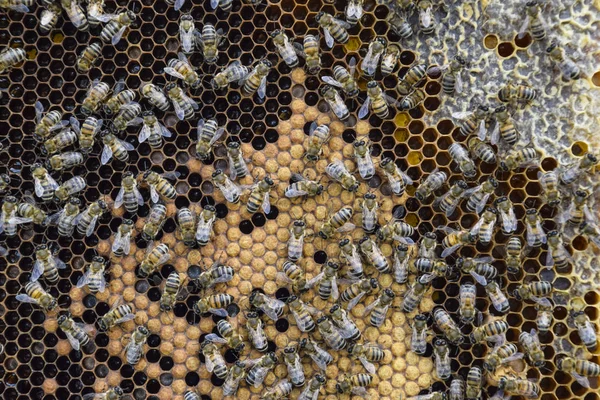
(38, 361)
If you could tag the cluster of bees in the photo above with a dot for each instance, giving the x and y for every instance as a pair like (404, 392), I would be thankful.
(360, 262)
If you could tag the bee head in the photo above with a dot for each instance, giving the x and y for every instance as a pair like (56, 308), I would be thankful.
(503, 380)
(350, 348)
(303, 342)
(217, 173)
(289, 350)
(344, 242)
(333, 265)
(370, 196)
(531, 211)
(359, 143)
(552, 46)
(500, 109)
(381, 40)
(581, 193)
(325, 89)
(460, 60)
(141, 273)
(430, 235)
(390, 293)
(320, 189)
(372, 84)
(334, 308)
(472, 238)
(483, 108)
(319, 16)
(320, 378)
(419, 196)
(517, 294)
(170, 86)
(353, 188)
(299, 223)
(503, 166)
(127, 222)
(252, 297)
(41, 247)
(143, 330)
(439, 342)
(233, 145)
(266, 63)
(491, 210)
(291, 299)
(552, 233)
(147, 114)
(322, 235)
(338, 388)
(321, 319)
(272, 356)
(493, 182)
(592, 157)
(104, 133)
(269, 181)
(240, 347)
(421, 317)
(118, 391)
(102, 204)
(275, 33)
(102, 325)
(98, 259)
(364, 239)
(501, 200)
(462, 184)
(61, 319)
(380, 235)
(240, 364)
(374, 284)
(165, 307)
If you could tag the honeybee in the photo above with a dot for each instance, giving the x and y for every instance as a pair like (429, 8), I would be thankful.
(214, 304)
(63, 139)
(302, 187)
(230, 190)
(177, 4)
(366, 353)
(48, 123)
(535, 233)
(159, 186)
(379, 308)
(337, 222)
(481, 150)
(309, 50)
(457, 389)
(95, 95)
(259, 370)
(229, 336)
(578, 210)
(21, 6)
(295, 275)
(128, 115)
(256, 332)
(237, 372)
(369, 213)
(333, 29)
(585, 329)
(237, 164)
(119, 99)
(181, 68)
(69, 188)
(67, 160)
(373, 255)
(114, 30)
(473, 122)
(155, 96)
(67, 218)
(569, 174)
(474, 383)
(256, 79)
(390, 59)
(519, 387)
(273, 308)
(428, 246)
(4, 183)
(544, 319)
(433, 182)
(311, 391)
(95, 12)
(115, 393)
(377, 100)
(356, 291)
(345, 325)
(441, 354)
(280, 391)
(534, 291)
(362, 155)
(467, 297)
(234, 72)
(451, 81)
(335, 101)
(534, 21)
(484, 228)
(549, 183)
(426, 19)
(479, 268)
(46, 264)
(418, 339)
(294, 365)
(349, 254)
(259, 196)
(412, 100)
(89, 217)
(186, 220)
(215, 363)
(10, 57)
(94, 276)
(533, 348)
(337, 171)
(45, 186)
(557, 255)
(35, 294)
(118, 314)
(135, 348)
(318, 137)
(523, 158)
(155, 258)
(208, 41)
(492, 331)
(579, 369)
(344, 78)
(396, 230)
(295, 243)
(479, 195)
(154, 222)
(208, 134)
(519, 93)
(331, 336)
(321, 357)
(500, 355)
(75, 14)
(497, 297)
(114, 147)
(184, 106)
(449, 200)
(129, 195)
(152, 130)
(327, 281)
(413, 76)
(504, 127)
(354, 384)
(217, 273)
(206, 219)
(224, 5)
(284, 47)
(568, 68)
(375, 51)
(455, 239)
(460, 156)
(188, 33)
(77, 334)
(447, 325)
(415, 294)
(29, 209)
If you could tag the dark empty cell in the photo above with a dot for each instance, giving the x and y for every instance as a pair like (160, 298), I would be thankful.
(153, 386)
(259, 220)
(273, 213)
(320, 257)
(281, 293)
(216, 380)
(505, 49)
(50, 371)
(415, 127)
(349, 136)
(246, 227)
(431, 103)
(154, 294)
(166, 363)
(153, 356)
(375, 135)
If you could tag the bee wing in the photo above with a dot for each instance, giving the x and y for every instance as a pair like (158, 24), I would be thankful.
(523, 27)
(93, 396)
(39, 110)
(77, 219)
(38, 270)
(477, 227)
(213, 5)
(582, 380)
(126, 243)
(126, 317)
(179, 4)
(91, 226)
(538, 226)
(104, 17)
(186, 39)
(59, 263)
(392, 101)
(347, 227)
(119, 199)
(23, 298)
(215, 339)
(154, 194)
(106, 154)
(588, 214)
(299, 49)
(164, 131)
(173, 72)
(115, 40)
(178, 111)
(335, 292)
(482, 131)
(331, 81)
(262, 88)
(232, 170)
(359, 391)
(266, 204)
(364, 109)
(478, 278)
(461, 115)
(74, 125)
(128, 146)
(270, 313)
(19, 220)
(458, 87)
(312, 282)
(370, 307)
(328, 38)
(217, 136)
(221, 312)
(295, 192)
(450, 250)
(74, 342)
(144, 134)
(322, 365)
(343, 24)
(209, 364)
(481, 205)
(355, 301)
(368, 365)
(62, 124)
(495, 135)
(514, 357)
(542, 301)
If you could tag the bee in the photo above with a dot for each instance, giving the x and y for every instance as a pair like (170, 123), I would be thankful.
(321, 357)
(10, 57)
(67, 160)
(534, 21)
(89, 217)
(455, 239)
(534, 291)
(256, 80)
(295, 275)
(418, 339)
(479, 268)
(229, 336)
(377, 100)
(467, 297)
(187, 33)
(294, 365)
(215, 363)
(183, 105)
(522, 93)
(519, 387)
(284, 47)
(579, 369)
(35, 294)
(318, 137)
(259, 370)
(568, 68)
(96, 15)
(159, 186)
(45, 186)
(234, 72)
(460, 156)
(114, 30)
(331, 336)
(474, 383)
(457, 389)
(447, 325)
(349, 254)
(451, 81)
(224, 5)
(48, 123)
(431, 268)
(354, 11)
(557, 255)
(327, 281)
(128, 115)
(206, 219)
(234, 377)
(337, 222)
(335, 102)
(119, 99)
(170, 292)
(154, 259)
(428, 246)
(177, 6)
(413, 76)
(396, 230)
(95, 95)
(379, 308)
(309, 50)
(75, 14)
(426, 19)
(208, 134)
(4, 183)
(415, 294)
(376, 49)
(591, 232)
(544, 318)
(256, 332)
(311, 391)
(345, 325)
(497, 297)
(523, 158)
(154, 222)
(296, 241)
(237, 164)
(433, 182)
(333, 29)
(441, 354)
(354, 384)
(429, 396)
(273, 308)
(481, 150)
(338, 172)
(21, 6)
(29, 209)
(118, 314)
(492, 331)
(77, 334)
(533, 348)
(155, 96)
(390, 59)
(230, 190)
(569, 174)
(181, 68)
(344, 78)
(114, 147)
(500, 355)
(578, 210)
(259, 196)
(135, 348)
(94, 276)
(369, 213)
(186, 220)
(46, 264)
(280, 391)
(585, 329)
(362, 154)
(366, 353)
(398, 22)
(373, 255)
(302, 187)
(479, 195)
(69, 188)
(353, 293)
(535, 233)
(473, 122)
(208, 42)
(214, 304)
(549, 183)
(129, 195)
(448, 202)
(412, 100)
(63, 139)
(504, 127)
(484, 228)
(115, 393)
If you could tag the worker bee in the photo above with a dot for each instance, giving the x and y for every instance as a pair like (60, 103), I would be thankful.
(474, 383)
(115, 393)
(256, 79)
(337, 171)
(46, 264)
(534, 291)
(349, 254)
(154, 222)
(224, 5)
(333, 29)
(91, 126)
(331, 336)
(128, 115)
(67, 160)
(230, 190)
(544, 318)
(362, 155)
(177, 4)
(507, 214)
(441, 353)
(159, 186)
(181, 68)
(186, 220)
(229, 336)
(578, 210)
(367, 354)
(478, 196)
(184, 106)
(4, 183)
(114, 147)
(549, 183)
(376, 49)
(501, 354)
(533, 348)
(568, 68)
(457, 389)
(356, 291)
(114, 30)
(390, 59)
(492, 332)
(75, 14)
(206, 219)
(335, 102)
(63, 139)
(418, 339)
(281, 390)
(455, 239)
(400, 263)
(369, 213)
(504, 127)
(155, 96)
(215, 363)
(208, 134)
(21, 6)
(77, 334)
(309, 50)
(95, 95)
(237, 164)
(521, 93)
(534, 21)
(481, 150)
(467, 297)
(119, 99)
(415, 294)
(426, 19)
(377, 100)
(152, 130)
(473, 122)
(155, 258)
(296, 241)
(129, 194)
(118, 314)
(259, 196)
(318, 137)
(256, 332)
(451, 81)
(428, 246)
(44, 185)
(413, 76)
(557, 254)
(29, 209)
(497, 297)
(259, 370)
(379, 308)
(188, 32)
(94, 276)
(337, 222)
(585, 329)
(327, 281)
(398, 22)
(412, 100)
(10, 57)
(449, 200)
(519, 387)
(321, 357)
(95, 12)
(354, 11)
(535, 233)
(47, 123)
(569, 174)
(311, 391)
(484, 228)
(523, 158)
(214, 304)
(373, 255)
(433, 182)
(217, 273)
(292, 360)
(293, 274)
(447, 325)
(460, 156)
(302, 187)
(69, 188)
(273, 308)
(234, 377)
(396, 230)
(284, 47)
(344, 78)
(479, 268)
(35, 294)
(354, 384)
(345, 325)
(89, 217)
(135, 348)
(234, 72)
(579, 369)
